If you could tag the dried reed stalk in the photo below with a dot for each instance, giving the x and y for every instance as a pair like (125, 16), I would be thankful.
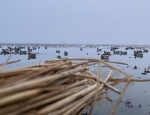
(37, 83)
(5, 62)
(56, 87)
(10, 62)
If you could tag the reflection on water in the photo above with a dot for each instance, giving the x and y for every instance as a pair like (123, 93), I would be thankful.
(136, 99)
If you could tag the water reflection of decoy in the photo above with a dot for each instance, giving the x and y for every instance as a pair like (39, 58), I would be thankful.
(135, 67)
(65, 53)
(59, 57)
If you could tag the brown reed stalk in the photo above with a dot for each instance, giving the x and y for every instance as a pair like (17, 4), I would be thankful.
(10, 62)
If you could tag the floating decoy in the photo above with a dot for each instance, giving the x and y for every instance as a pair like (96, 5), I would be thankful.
(31, 56)
(144, 73)
(59, 57)
(57, 51)
(106, 57)
(145, 51)
(106, 53)
(135, 67)
(139, 105)
(114, 48)
(23, 52)
(65, 53)
(129, 104)
(98, 49)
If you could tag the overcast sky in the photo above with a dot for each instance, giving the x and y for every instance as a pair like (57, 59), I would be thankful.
(75, 21)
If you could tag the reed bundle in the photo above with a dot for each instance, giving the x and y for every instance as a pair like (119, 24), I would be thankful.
(56, 87)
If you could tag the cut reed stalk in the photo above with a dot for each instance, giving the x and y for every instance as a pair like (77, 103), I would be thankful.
(57, 87)
(10, 62)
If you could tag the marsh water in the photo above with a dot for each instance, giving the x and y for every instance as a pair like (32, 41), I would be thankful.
(137, 94)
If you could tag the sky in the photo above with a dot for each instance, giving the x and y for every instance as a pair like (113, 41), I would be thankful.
(75, 21)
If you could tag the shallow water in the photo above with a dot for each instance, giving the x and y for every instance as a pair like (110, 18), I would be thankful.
(137, 93)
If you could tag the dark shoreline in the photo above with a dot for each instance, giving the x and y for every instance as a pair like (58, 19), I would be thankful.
(73, 45)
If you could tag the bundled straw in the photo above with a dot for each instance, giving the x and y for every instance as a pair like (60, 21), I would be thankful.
(56, 87)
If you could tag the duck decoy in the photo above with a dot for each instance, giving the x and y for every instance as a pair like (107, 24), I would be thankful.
(106, 57)
(135, 67)
(57, 51)
(129, 104)
(65, 53)
(59, 57)
(144, 73)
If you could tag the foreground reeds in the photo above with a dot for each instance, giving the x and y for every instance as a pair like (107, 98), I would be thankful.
(57, 87)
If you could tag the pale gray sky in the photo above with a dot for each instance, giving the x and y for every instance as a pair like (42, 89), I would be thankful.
(75, 21)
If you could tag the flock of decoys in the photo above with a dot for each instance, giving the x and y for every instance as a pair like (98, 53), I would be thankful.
(105, 55)
(146, 70)
(20, 51)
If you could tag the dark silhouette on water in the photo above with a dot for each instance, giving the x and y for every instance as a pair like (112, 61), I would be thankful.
(106, 57)
(23, 52)
(59, 57)
(65, 53)
(57, 51)
(129, 104)
(98, 49)
(135, 67)
(144, 73)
